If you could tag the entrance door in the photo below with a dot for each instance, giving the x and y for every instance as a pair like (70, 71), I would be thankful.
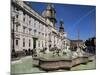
(34, 43)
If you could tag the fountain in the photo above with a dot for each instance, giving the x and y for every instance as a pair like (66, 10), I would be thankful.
(66, 59)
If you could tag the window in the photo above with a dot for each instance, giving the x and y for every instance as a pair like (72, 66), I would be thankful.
(23, 13)
(16, 42)
(43, 34)
(42, 43)
(34, 32)
(17, 16)
(23, 29)
(24, 19)
(29, 42)
(30, 31)
(17, 9)
(29, 22)
(17, 28)
(39, 33)
(23, 42)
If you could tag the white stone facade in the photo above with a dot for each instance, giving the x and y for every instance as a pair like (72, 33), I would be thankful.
(31, 30)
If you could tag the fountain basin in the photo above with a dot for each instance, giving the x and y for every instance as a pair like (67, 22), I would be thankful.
(49, 63)
(55, 64)
(79, 60)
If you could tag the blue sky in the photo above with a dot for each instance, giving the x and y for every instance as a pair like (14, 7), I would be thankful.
(76, 18)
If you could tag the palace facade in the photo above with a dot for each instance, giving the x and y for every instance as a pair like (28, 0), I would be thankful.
(31, 30)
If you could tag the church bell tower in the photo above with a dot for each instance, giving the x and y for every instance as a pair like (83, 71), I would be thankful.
(61, 28)
(50, 13)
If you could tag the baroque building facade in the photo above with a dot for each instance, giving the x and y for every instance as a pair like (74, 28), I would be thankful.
(30, 30)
